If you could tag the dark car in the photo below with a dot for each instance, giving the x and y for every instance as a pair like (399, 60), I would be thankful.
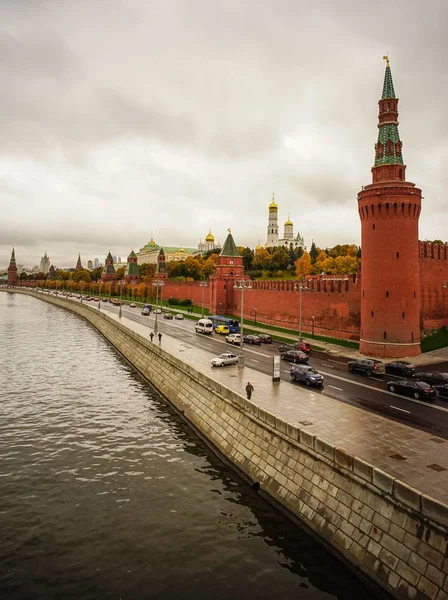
(251, 339)
(168, 316)
(442, 390)
(401, 367)
(432, 378)
(302, 346)
(295, 356)
(369, 366)
(306, 375)
(146, 311)
(414, 389)
(265, 338)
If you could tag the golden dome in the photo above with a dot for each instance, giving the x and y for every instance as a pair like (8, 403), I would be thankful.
(273, 204)
(181, 250)
(210, 237)
(258, 247)
(289, 223)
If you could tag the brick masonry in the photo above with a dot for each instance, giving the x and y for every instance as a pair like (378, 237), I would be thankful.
(390, 531)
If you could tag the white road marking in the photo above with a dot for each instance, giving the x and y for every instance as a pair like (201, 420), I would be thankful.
(369, 387)
(338, 362)
(254, 360)
(335, 388)
(401, 409)
(285, 371)
(327, 365)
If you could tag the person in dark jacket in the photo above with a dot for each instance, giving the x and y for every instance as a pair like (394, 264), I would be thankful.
(151, 335)
(160, 338)
(249, 389)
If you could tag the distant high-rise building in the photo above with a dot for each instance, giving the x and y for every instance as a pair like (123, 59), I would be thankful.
(117, 259)
(89, 265)
(44, 264)
(96, 263)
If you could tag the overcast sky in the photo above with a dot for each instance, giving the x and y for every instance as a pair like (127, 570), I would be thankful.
(123, 119)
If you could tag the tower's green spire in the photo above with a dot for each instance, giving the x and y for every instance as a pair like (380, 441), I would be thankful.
(388, 146)
(388, 86)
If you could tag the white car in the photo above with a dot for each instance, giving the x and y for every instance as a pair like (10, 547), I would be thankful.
(180, 317)
(133, 305)
(224, 359)
(234, 338)
(158, 311)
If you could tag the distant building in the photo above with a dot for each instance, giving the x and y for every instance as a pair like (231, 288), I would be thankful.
(288, 240)
(132, 273)
(89, 265)
(150, 252)
(79, 266)
(44, 264)
(12, 269)
(109, 273)
(117, 259)
(208, 244)
(96, 263)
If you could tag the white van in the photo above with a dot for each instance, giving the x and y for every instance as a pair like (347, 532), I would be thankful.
(204, 326)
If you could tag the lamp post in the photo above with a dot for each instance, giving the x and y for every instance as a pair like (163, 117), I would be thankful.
(99, 296)
(255, 315)
(312, 325)
(301, 287)
(203, 284)
(82, 290)
(241, 285)
(110, 290)
(121, 289)
(158, 283)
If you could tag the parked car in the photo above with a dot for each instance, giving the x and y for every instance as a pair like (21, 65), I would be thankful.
(295, 356)
(88, 298)
(133, 305)
(180, 317)
(158, 311)
(302, 346)
(234, 338)
(105, 299)
(369, 366)
(442, 390)
(224, 359)
(251, 339)
(168, 316)
(401, 367)
(222, 329)
(432, 378)
(265, 338)
(306, 374)
(146, 312)
(415, 389)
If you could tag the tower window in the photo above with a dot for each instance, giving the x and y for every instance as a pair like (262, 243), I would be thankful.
(385, 335)
(387, 294)
(363, 295)
(402, 315)
(412, 336)
(398, 255)
(415, 295)
(400, 173)
(372, 313)
(373, 226)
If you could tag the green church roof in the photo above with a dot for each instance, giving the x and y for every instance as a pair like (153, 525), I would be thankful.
(132, 254)
(229, 248)
(388, 146)
(132, 269)
(388, 86)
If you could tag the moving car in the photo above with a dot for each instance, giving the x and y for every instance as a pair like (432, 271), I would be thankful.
(251, 339)
(432, 378)
(204, 326)
(146, 312)
(295, 356)
(369, 366)
(180, 317)
(306, 375)
(224, 359)
(415, 389)
(302, 346)
(401, 367)
(168, 316)
(234, 338)
(265, 338)
(158, 311)
(222, 329)
(133, 305)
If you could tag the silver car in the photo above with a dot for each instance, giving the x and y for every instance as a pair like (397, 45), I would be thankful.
(224, 359)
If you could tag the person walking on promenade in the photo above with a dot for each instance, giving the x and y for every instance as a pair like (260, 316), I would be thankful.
(249, 389)
(151, 335)
(160, 338)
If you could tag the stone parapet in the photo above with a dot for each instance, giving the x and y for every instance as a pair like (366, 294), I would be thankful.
(389, 530)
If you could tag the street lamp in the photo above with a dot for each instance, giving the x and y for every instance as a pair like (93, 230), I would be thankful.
(312, 325)
(301, 287)
(255, 315)
(121, 288)
(241, 285)
(158, 283)
(203, 284)
(82, 290)
(99, 295)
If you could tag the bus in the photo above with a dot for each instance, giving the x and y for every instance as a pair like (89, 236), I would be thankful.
(232, 324)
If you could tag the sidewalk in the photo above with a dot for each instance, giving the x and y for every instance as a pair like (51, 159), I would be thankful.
(415, 457)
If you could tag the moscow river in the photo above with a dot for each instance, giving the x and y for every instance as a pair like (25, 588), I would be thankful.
(106, 494)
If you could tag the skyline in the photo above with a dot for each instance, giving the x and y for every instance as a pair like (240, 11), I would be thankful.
(122, 122)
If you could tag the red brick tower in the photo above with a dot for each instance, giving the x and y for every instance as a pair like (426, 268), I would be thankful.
(161, 270)
(109, 273)
(12, 269)
(132, 273)
(389, 209)
(229, 267)
(79, 266)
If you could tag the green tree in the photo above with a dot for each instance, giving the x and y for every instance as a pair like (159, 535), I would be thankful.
(279, 260)
(83, 275)
(248, 258)
(314, 252)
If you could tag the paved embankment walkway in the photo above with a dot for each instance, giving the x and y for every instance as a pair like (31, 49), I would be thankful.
(415, 457)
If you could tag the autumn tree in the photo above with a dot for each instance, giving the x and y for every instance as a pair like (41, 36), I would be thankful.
(262, 259)
(82, 275)
(303, 265)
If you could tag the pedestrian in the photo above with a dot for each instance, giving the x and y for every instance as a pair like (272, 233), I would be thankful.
(249, 389)
(151, 335)
(160, 338)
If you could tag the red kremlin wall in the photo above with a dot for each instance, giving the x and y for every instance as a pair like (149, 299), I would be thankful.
(433, 260)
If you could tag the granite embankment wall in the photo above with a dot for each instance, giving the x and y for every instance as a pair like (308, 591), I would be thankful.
(393, 533)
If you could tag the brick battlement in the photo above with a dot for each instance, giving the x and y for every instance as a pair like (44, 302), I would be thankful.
(429, 250)
(314, 283)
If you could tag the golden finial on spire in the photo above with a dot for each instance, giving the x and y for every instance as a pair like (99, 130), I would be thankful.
(228, 231)
(386, 58)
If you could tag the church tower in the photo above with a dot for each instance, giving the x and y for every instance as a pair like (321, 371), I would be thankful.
(79, 266)
(132, 273)
(389, 209)
(229, 268)
(272, 239)
(12, 269)
(161, 270)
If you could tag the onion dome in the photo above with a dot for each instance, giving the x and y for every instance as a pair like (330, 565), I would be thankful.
(210, 237)
(289, 223)
(273, 204)
(151, 243)
(181, 251)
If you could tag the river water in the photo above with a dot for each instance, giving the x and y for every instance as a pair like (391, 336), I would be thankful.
(106, 494)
